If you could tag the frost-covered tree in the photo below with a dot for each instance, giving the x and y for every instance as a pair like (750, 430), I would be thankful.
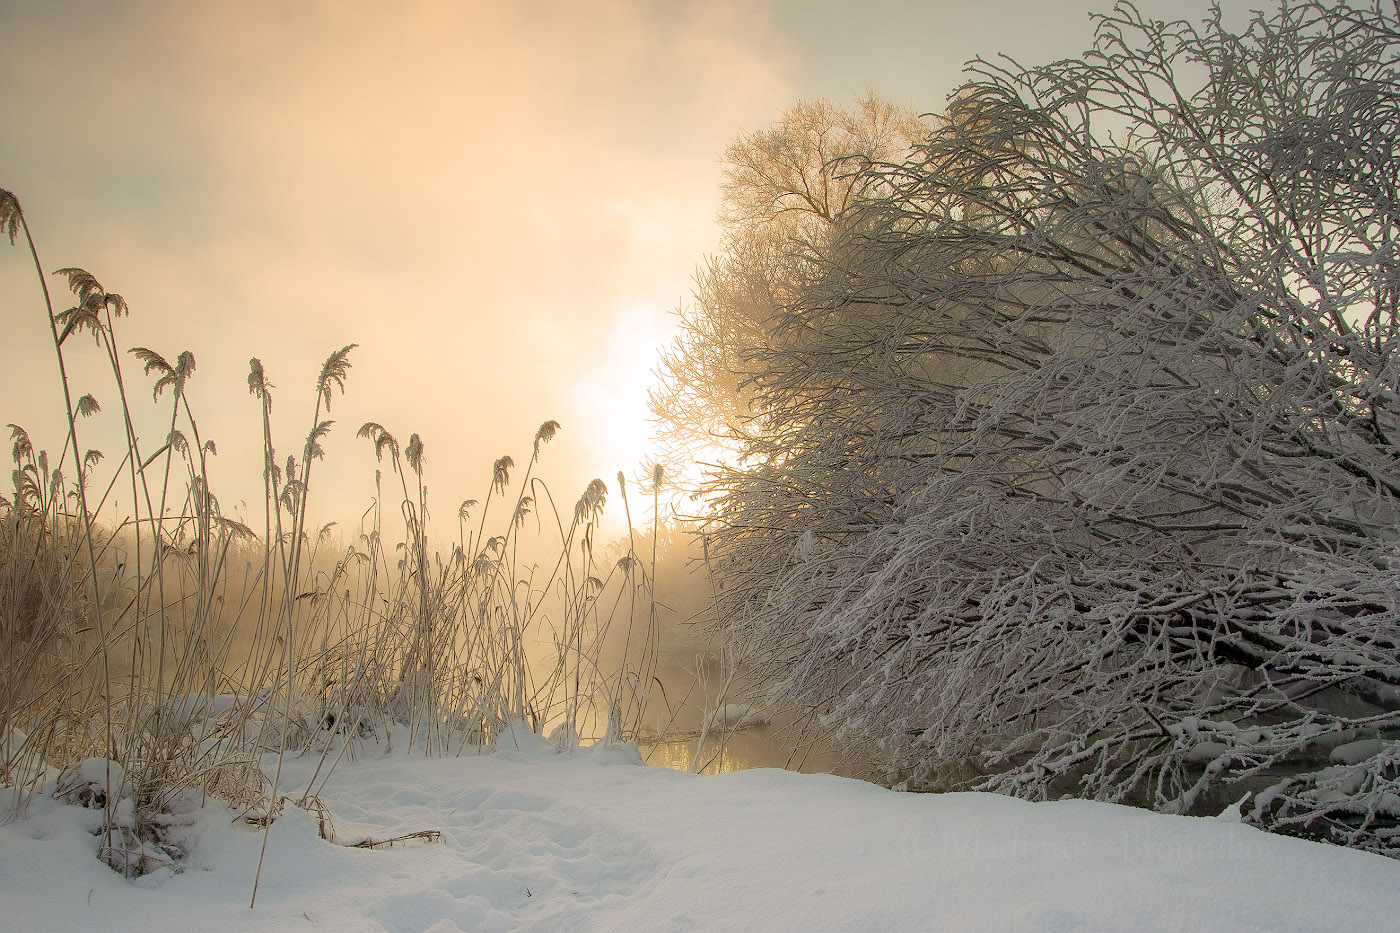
(783, 188)
(1078, 470)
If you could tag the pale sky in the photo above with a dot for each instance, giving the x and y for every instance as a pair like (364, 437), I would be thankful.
(501, 203)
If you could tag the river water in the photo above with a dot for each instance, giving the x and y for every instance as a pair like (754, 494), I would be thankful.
(737, 751)
(775, 745)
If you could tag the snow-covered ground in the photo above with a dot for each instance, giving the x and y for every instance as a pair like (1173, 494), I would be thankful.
(593, 840)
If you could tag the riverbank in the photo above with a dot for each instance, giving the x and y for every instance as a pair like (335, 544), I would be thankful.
(536, 839)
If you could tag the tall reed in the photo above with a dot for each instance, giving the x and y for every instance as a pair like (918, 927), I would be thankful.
(177, 646)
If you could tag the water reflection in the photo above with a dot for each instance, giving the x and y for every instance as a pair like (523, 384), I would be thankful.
(737, 751)
(687, 696)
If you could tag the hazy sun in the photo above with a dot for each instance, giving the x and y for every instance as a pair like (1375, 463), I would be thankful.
(623, 376)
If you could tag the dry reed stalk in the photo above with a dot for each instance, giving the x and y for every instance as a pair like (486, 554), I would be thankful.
(188, 645)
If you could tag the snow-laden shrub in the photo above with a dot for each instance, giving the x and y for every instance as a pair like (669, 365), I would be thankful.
(1074, 469)
(132, 840)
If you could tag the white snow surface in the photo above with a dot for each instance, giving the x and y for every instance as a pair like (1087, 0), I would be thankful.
(592, 840)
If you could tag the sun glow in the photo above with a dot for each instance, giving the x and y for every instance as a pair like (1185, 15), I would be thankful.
(617, 384)
(621, 381)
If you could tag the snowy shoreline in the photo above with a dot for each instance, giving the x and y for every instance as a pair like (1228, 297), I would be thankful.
(535, 839)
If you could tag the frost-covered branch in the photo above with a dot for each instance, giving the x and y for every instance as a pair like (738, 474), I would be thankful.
(1077, 467)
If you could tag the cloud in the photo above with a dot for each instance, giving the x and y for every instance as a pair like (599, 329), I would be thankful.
(472, 192)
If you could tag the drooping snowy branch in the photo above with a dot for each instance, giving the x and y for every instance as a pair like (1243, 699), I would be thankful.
(1077, 469)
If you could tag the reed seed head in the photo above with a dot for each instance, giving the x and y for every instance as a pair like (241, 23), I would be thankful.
(9, 214)
(22, 449)
(380, 438)
(544, 435)
(155, 363)
(257, 379)
(522, 509)
(334, 372)
(314, 450)
(590, 504)
(500, 473)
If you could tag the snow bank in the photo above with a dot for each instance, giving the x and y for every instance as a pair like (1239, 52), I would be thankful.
(537, 839)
